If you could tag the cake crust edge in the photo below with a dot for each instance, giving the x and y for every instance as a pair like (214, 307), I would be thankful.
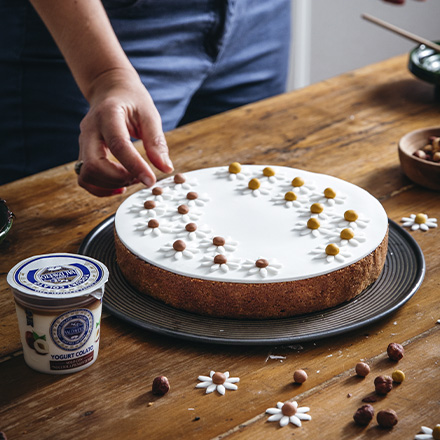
(251, 300)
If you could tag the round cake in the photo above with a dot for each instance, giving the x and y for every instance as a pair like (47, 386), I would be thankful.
(250, 241)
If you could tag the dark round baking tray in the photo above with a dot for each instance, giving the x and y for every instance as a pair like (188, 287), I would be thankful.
(401, 277)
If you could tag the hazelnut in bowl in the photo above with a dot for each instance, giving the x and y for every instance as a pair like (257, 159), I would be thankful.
(419, 154)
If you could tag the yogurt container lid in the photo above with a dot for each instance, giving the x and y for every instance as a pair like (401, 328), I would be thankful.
(58, 276)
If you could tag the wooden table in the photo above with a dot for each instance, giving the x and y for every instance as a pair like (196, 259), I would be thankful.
(348, 127)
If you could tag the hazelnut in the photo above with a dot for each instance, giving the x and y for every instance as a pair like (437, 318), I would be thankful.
(364, 415)
(362, 369)
(300, 376)
(420, 154)
(395, 351)
(398, 376)
(387, 418)
(436, 157)
(161, 385)
(383, 384)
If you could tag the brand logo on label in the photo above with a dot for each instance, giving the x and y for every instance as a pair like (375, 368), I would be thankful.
(71, 330)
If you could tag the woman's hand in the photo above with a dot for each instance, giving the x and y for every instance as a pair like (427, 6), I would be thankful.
(120, 109)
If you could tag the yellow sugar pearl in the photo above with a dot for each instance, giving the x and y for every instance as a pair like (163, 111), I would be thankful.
(398, 376)
(269, 172)
(420, 219)
(316, 208)
(347, 234)
(290, 196)
(436, 432)
(254, 184)
(234, 168)
(329, 193)
(351, 215)
(313, 223)
(297, 182)
(332, 249)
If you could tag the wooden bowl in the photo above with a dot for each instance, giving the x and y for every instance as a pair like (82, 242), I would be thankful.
(423, 172)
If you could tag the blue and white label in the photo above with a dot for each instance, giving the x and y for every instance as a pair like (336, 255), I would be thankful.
(58, 275)
(71, 330)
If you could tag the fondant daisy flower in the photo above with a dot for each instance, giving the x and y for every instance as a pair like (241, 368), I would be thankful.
(158, 194)
(153, 227)
(316, 210)
(219, 245)
(330, 253)
(233, 172)
(148, 209)
(288, 199)
(348, 236)
(180, 183)
(351, 219)
(262, 267)
(288, 412)
(329, 197)
(270, 175)
(184, 214)
(177, 250)
(312, 226)
(254, 187)
(299, 186)
(194, 199)
(218, 381)
(191, 231)
(429, 433)
(220, 262)
(419, 221)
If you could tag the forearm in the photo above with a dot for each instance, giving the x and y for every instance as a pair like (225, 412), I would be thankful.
(84, 35)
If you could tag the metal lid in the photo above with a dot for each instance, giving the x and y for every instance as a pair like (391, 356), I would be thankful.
(58, 276)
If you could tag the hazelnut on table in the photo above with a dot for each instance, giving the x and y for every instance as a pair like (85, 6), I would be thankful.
(387, 418)
(383, 384)
(364, 415)
(395, 351)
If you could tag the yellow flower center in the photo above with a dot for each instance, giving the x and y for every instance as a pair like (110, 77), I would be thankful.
(297, 182)
(329, 193)
(332, 249)
(347, 234)
(313, 223)
(351, 215)
(436, 432)
(316, 208)
(290, 196)
(234, 168)
(269, 172)
(420, 219)
(254, 184)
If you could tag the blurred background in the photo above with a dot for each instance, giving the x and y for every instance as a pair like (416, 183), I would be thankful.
(329, 37)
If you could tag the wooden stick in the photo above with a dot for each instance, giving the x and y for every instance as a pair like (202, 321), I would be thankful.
(402, 32)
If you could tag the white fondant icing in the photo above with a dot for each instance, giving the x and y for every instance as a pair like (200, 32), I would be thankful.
(256, 224)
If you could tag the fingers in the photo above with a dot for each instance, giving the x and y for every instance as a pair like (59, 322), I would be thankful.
(155, 143)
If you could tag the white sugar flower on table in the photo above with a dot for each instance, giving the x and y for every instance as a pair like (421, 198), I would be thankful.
(288, 412)
(218, 381)
(419, 221)
(429, 433)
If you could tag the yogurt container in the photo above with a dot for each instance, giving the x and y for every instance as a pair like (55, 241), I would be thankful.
(58, 298)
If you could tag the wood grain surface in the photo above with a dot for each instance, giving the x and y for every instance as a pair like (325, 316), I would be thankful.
(347, 127)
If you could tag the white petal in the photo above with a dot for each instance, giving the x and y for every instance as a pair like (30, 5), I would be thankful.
(423, 437)
(263, 272)
(303, 409)
(303, 416)
(230, 386)
(426, 430)
(203, 384)
(233, 379)
(224, 268)
(254, 270)
(211, 373)
(423, 227)
(284, 421)
(295, 420)
(275, 417)
(415, 226)
(221, 389)
(204, 378)
(273, 411)
(211, 388)
(408, 223)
